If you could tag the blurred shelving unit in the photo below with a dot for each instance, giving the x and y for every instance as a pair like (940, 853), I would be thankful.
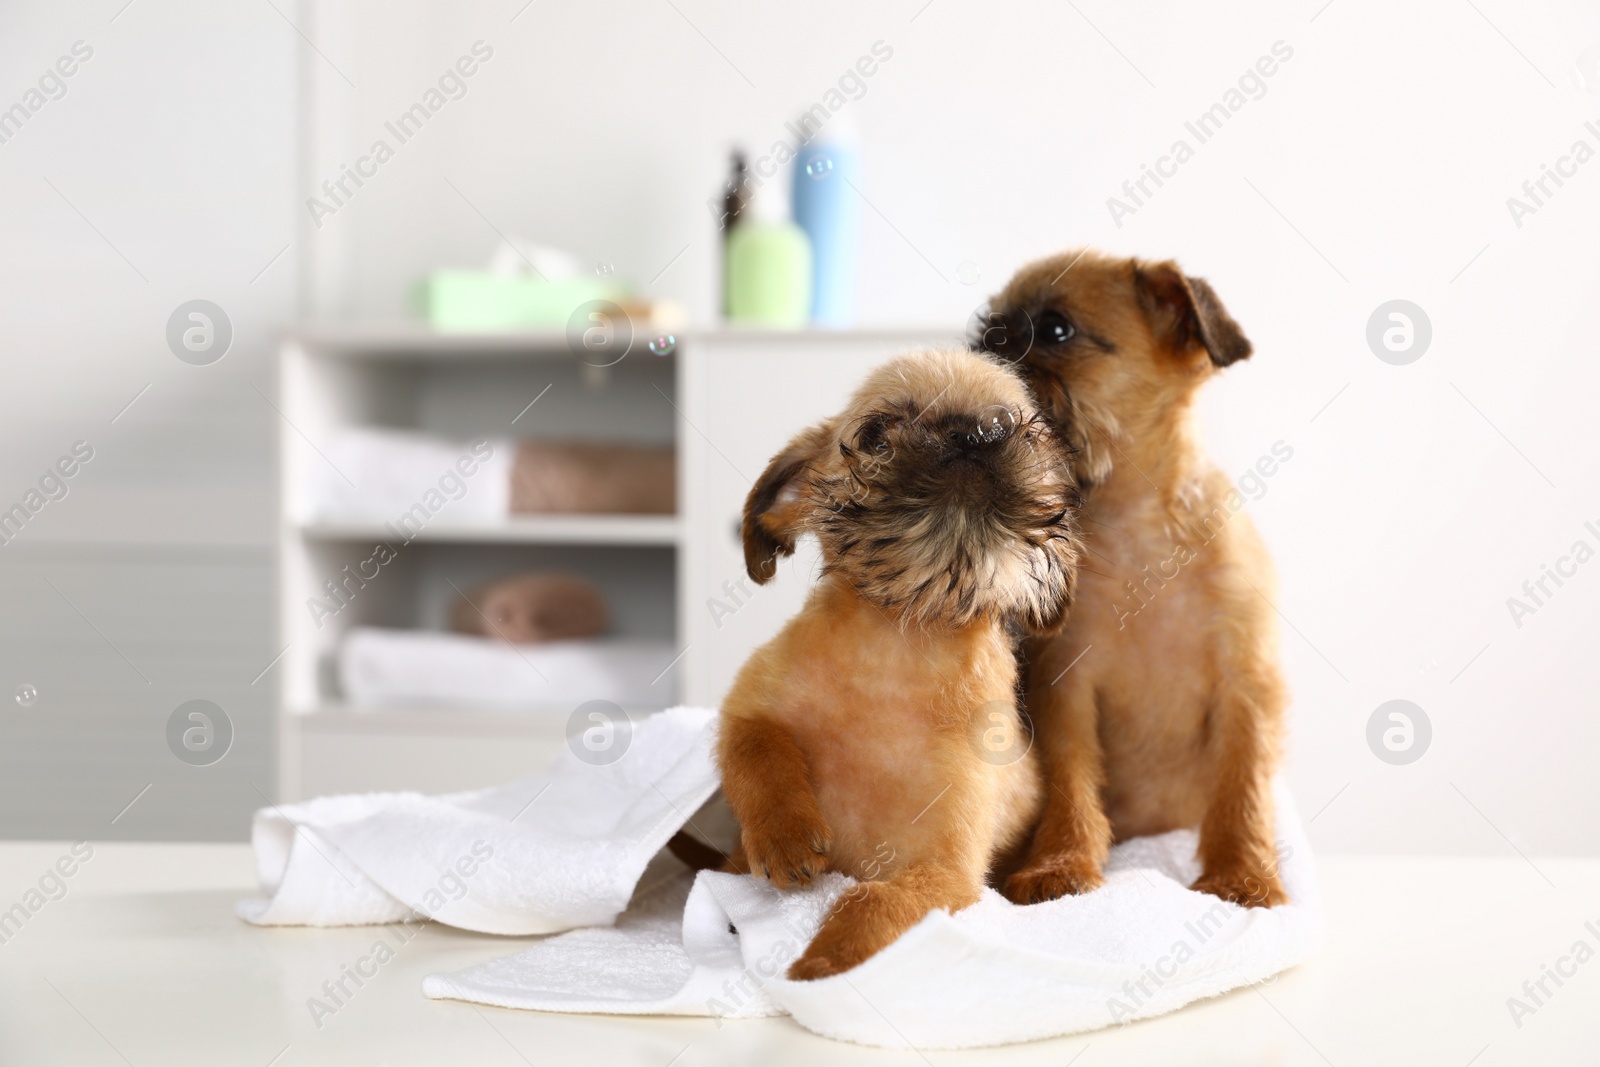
(521, 530)
(727, 400)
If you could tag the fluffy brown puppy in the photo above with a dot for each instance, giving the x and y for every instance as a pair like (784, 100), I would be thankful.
(1159, 705)
(877, 735)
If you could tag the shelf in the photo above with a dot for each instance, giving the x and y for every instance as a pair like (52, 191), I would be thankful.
(414, 340)
(418, 342)
(546, 723)
(522, 530)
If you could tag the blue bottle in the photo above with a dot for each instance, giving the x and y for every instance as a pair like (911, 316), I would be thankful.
(828, 209)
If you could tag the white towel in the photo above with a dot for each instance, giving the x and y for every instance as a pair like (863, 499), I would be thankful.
(379, 667)
(549, 852)
(718, 945)
(364, 474)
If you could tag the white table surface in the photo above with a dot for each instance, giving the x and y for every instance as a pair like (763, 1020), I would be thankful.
(142, 962)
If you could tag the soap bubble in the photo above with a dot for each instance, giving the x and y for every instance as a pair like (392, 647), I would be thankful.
(818, 166)
(663, 345)
(605, 270)
(27, 696)
(968, 272)
(995, 423)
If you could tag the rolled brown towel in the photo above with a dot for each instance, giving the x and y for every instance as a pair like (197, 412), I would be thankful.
(594, 479)
(529, 608)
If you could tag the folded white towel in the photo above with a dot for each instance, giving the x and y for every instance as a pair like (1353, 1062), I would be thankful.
(365, 474)
(381, 667)
(717, 944)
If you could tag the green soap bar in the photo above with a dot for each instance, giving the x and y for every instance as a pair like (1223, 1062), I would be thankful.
(769, 274)
(474, 301)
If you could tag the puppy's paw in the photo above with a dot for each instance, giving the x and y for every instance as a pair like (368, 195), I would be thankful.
(849, 936)
(1246, 887)
(809, 967)
(1064, 877)
(790, 848)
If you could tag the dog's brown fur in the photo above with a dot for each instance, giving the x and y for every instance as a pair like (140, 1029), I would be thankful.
(1160, 703)
(855, 741)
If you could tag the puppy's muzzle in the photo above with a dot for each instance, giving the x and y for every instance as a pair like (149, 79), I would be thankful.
(975, 436)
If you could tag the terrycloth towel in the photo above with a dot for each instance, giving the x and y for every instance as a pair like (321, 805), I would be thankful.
(718, 945)
(380, 667)
(549, 852)
(994, 973)
(405, 478)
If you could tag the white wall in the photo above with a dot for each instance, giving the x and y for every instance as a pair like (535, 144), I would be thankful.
(162, 175)
(1387, 147)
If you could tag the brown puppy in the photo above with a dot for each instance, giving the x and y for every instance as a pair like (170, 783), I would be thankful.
(1159, 705)
(877, 735)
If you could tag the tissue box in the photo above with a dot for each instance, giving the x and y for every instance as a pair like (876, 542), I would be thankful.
(466, 301)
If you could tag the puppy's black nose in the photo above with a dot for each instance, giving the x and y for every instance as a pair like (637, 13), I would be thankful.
(970, 435)
(964, 443)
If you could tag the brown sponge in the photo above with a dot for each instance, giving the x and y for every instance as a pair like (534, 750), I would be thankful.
(534, 607)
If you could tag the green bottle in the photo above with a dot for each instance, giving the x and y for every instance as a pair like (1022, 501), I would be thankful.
(769, 266)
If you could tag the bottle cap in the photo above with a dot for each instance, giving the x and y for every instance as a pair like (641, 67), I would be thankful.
(769, 200)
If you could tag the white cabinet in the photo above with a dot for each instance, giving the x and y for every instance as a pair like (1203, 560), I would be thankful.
(729, 400)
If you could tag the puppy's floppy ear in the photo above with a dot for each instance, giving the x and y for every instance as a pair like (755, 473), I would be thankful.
(1186, 311)
(776, 505)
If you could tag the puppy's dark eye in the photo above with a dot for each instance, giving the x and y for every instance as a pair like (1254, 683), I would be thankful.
(1055, 328)
(874, 437)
